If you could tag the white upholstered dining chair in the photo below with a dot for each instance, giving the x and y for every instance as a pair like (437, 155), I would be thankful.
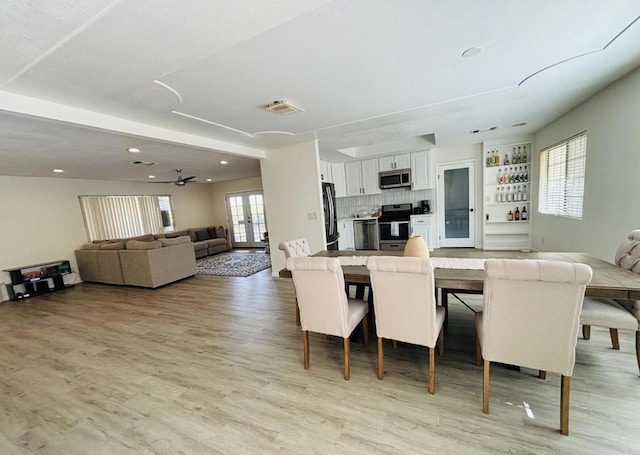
(295, 248)
(405, 306)
(324, 305)
(616, 314)
(530, 318)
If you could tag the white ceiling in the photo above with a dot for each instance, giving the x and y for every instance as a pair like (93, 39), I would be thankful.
(82, 80)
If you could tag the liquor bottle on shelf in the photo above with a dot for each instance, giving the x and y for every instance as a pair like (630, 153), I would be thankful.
(518, 194)
(509, 195)
(489, 162)
(510, 216)
(526, 174)
(506, 176)
(506, 159)
(524, 154)
(499, 195)
(516, 215)
(500, 177)
(524, 193)
(503, 195)
(523, 215)
(496, 158)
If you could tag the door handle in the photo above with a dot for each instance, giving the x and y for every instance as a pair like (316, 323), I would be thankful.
(471, 210)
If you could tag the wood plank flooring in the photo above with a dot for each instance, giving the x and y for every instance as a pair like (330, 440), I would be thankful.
(213, 365)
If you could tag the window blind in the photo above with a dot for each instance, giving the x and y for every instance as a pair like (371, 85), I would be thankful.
(562, 171)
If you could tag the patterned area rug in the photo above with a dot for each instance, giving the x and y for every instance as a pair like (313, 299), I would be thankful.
(233, 264)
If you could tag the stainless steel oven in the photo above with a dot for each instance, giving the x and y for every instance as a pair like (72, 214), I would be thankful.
(394, 226)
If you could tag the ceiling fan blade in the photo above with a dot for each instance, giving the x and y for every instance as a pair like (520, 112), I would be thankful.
(186, 179)
(170, 181)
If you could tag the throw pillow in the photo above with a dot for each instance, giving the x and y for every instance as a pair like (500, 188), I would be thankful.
(175, 241)
(170, 235)
(112, 246)
(220, 232)
(139, 245)
(202, 235)
(212, 232)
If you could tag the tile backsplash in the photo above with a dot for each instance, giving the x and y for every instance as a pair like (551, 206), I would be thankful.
(348, 207)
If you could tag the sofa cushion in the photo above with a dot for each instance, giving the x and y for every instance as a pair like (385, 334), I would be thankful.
(175, 241)
(202, 235)
(138, 245)
(212, 232)
(220, 232)
(91, 246)
(112, 246)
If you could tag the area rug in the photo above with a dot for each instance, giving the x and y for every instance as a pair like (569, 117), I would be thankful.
(233, 264)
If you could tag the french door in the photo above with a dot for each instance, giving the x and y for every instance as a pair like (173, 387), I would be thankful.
(456, 202)
(247, 219)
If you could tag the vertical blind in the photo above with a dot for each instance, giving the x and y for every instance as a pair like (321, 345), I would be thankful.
(562, 170)
(113, 217)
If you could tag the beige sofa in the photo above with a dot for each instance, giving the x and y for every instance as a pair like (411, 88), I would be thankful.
(206, 240)
(137, 262)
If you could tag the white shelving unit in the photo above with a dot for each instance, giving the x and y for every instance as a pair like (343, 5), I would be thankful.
(499, 233)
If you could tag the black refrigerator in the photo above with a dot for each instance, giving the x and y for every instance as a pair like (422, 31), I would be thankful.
(330, 216)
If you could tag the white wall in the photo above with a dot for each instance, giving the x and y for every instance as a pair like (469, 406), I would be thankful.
(42, 220)
(444, 155)
(613, 168)
(291, 185)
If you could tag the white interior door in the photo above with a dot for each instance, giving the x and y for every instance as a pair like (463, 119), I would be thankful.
(247, 219)
(456, 204)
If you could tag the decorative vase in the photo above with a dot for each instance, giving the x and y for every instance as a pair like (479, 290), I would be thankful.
(416, 247)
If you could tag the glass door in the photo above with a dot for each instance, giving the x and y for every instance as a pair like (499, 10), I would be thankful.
(248, 223)
(456, 202)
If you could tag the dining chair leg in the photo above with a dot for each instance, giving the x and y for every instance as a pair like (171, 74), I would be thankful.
(365, 329)
(297, 313)
(485, 387)
(615, 342)
(444, 300)
(586, 331)
(478, 352)
(542, 374)
(565, 389)
(305, 345)
(380, 359)
(432, 370)
(347, 354)
(441, 342)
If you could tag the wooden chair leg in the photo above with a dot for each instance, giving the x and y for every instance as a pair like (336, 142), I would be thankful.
(565, 389)
(297, 313)
(638, 348)
(478, 352)
(347, 354)
(305, 346)
(380, 359)
(542, 374)
(586, 331)
(365, 329)
(444, 300)
(441, 342)
(432, 370)
(485, 387)
(615, 342)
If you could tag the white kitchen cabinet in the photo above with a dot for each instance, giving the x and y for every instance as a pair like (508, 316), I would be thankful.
(390, 163)
(325, 172)
(346, 240)
(362, 177)
(420, 171)
(421, 225)
(502, 231)
(339, 179)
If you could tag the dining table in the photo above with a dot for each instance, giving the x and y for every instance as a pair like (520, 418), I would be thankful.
(609, 280)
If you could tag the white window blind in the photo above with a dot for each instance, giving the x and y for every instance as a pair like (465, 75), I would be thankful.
(113, 217)
(562, 170)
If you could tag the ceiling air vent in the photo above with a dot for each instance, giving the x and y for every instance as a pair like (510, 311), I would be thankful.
(283, 107)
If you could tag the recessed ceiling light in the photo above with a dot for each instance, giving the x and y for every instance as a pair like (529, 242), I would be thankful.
(519, 124)
(224, 162)
(472, 52)
(152, 176)
(209, 180)
(133, 150)
(58, 170)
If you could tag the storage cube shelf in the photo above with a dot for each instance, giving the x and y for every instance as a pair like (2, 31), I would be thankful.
(499, 233)
(32, 280)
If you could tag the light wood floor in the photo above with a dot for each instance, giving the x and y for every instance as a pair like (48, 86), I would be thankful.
(214, 365)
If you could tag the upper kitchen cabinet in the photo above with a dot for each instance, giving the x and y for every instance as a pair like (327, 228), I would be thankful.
(339, 179)
(325, 172)
(362, 177)
(420, 171)
(390, 163)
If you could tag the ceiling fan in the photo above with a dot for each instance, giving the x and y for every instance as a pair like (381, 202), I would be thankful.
(180, 181)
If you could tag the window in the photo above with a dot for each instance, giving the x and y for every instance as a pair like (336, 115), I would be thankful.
(562, 169)
(111, 217)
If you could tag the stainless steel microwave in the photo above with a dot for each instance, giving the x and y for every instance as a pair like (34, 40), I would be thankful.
(396, 178)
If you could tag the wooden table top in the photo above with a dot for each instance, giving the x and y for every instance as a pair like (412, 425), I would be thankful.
(608, 281)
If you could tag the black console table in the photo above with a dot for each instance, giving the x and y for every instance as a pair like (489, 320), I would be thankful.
(36, 277)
